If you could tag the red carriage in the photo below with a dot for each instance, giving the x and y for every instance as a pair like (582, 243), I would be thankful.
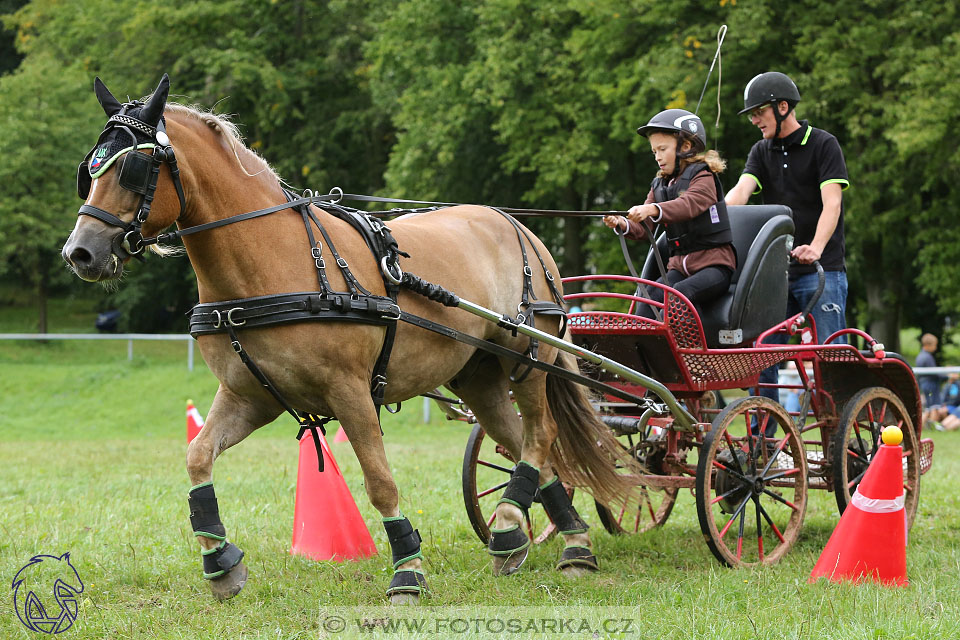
(751, 462)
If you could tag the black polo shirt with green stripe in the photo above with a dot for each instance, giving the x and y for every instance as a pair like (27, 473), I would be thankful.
(792, 171)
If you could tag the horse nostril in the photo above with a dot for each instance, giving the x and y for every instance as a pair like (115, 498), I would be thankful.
(80, 257)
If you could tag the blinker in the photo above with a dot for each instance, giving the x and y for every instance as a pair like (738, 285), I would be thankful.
(83, 180)
(135, 172)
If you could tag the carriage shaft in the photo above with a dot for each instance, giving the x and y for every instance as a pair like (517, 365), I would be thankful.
(683, 421)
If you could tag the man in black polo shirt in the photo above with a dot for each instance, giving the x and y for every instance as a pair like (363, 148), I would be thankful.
(802, 167)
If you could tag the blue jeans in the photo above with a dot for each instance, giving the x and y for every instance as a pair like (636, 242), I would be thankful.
(829, 314)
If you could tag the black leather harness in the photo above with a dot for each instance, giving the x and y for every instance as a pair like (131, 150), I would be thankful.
(140, 172)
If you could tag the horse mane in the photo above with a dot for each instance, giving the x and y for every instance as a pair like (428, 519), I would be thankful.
(223, 126)
(229, 130)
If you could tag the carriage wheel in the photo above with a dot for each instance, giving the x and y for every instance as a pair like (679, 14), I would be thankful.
(646, 508)
(486, 471)
(857, 439)
(751, 489)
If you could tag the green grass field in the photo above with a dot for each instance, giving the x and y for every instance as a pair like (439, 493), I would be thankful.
(92, 463)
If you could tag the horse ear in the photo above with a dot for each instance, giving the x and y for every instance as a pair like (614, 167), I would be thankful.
(110, 104)
(154, 108)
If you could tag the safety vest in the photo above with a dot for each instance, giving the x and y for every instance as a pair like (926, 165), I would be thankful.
(709, 229)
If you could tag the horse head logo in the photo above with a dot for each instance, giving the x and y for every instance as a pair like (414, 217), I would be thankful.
(37, 585)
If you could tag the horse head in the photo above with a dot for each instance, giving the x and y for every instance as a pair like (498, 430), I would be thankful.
(131, 162)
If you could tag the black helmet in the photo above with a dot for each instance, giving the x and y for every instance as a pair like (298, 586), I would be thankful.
(769, 88)
(677, 121)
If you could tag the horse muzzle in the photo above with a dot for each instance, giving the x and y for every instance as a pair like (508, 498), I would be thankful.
(92, 256)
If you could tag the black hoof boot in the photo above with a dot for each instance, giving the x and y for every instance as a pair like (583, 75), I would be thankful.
(407, 586)
(580, 558)
(509, 549)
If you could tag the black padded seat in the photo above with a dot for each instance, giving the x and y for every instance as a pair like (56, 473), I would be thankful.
(757, 297)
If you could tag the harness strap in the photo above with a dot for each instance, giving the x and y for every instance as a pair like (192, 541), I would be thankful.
(353, 285)
(179, 233)
(316, 248)
(259, 375)
(503, 352)
(212, 317)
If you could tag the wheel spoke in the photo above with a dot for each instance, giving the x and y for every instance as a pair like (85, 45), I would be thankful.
(774, 456)
(756, 502)
(725, 494)
(770, 522)
(780, 499)
(782, 474)
(737, 512)
(743, 519)
(494, 466)
(739, 476)
(492, 489)
(733, 451)
(852, 483)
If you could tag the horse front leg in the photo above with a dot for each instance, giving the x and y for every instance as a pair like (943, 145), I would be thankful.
(230, 420)
(360, 423)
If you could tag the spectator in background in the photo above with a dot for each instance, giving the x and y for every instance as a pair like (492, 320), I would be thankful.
(945, 417)
(929, 383)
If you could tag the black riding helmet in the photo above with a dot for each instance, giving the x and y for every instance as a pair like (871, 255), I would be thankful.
(674, 121)
(770, 88)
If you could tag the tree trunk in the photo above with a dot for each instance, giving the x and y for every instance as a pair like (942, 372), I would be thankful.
(884, 324)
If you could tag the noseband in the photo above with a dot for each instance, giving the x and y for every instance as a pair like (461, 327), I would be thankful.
(139, 173)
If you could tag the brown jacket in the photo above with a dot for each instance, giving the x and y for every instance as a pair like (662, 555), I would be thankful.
(695, 200)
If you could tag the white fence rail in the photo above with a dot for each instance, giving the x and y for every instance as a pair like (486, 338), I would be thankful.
(129, 337)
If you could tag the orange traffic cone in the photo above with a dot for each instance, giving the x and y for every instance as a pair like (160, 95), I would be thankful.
(341, 436)
(870, 541)
(326, 522)
(194, 421)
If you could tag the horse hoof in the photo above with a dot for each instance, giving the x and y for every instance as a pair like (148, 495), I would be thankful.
(574, 571)
(405, 598)
(229, 585)
(509, 565)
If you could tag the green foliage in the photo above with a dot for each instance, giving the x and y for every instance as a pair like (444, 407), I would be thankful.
(528, 103)
(40, 147)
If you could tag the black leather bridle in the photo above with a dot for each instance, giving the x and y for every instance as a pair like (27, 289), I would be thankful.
(139, 173)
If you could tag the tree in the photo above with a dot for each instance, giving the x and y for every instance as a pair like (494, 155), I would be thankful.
(289, 70)
(40, 145)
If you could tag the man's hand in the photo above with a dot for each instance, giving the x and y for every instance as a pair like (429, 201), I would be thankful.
(617, 223)
(806, 254)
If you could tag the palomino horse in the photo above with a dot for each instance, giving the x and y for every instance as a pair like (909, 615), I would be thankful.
(133, 184)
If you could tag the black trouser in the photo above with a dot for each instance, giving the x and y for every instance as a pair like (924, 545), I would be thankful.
(703, 286)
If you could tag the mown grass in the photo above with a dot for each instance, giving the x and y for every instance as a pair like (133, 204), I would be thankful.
(92, 462)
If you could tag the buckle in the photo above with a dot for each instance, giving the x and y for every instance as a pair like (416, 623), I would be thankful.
(392, 309)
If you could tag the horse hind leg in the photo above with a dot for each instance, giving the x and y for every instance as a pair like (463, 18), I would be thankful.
(540, 433)
(487, 394)
(231, 419)
(577, 557)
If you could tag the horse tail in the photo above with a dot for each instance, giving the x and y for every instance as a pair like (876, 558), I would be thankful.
(586, 452)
